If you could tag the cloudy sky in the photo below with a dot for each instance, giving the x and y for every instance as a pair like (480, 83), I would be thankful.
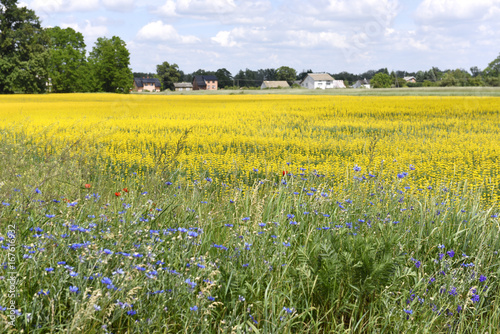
(322, 35)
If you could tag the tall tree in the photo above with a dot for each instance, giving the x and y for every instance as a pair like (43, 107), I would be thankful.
(23, 50)
(381, 80)
(67, 63)
(493, 69)
(168, 75)
(224, 78)
(287, 74)
(109, 62)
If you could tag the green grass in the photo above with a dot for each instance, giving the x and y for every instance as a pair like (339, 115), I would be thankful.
(267, 254)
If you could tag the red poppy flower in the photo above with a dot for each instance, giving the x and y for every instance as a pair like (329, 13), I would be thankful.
(125, 190)
(117, 194)
(87, 186)
(285, 172)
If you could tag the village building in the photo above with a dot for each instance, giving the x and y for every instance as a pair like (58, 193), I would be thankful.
(183, 86)
(362, 84)
(147, 84)
(205, 82)
(322, 81)
(274, 84)
(410, 79)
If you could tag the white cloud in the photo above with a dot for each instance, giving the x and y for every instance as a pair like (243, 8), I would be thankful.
(346, 10)
(308, 39)
(157, 31)
(119, 5)
(441, 12)
(197, 7)
(51, 6)
(224, 38)
(89, 31)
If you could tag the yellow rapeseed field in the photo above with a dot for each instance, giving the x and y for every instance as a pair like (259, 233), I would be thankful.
(450, 139)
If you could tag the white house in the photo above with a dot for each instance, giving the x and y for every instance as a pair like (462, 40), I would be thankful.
(338, 84)
(274, 84)
(362, 84)
(318, 80)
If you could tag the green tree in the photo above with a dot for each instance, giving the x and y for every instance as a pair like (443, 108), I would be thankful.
(287, 74)
(381, 80)
(224, 78)
(168, 75)
(492, 72)
(67, 63)
(23, 50)
(109, 63)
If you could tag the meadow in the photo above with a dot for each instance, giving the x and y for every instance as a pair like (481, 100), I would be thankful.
(249, 213)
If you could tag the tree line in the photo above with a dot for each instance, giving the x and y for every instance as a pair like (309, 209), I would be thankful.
(36, 60)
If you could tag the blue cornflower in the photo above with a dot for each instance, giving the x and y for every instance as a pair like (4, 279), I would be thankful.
(73, 289)
(450, 253)
(245, 218)
(45, 293)
(417, 264)
(50, 216)
(118, 271)
(357, 169)
(262, 224)
(482, 278)
(288, 310)
(73, 274)
(168, 183)
(131, 312)
(97, 307)
(49, 269)
(106, 281)
(190, 283)
(208, 179)
(453, 291)
(211, 298)
(475, 298)
(107, 251)
(38, 191)
(194, 308)
(286, 244)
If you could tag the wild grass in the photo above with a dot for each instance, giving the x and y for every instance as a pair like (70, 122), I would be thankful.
(100, 252)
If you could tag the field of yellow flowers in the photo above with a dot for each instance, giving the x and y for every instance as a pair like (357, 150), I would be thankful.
(451, 139)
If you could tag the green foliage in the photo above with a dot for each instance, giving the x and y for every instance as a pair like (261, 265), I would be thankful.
(23, 50)
(287, 74)
(365, 268)
(224, 77)
(493, 69)
(381, 80)
(68, 69)
(168, 75)
(109, 63)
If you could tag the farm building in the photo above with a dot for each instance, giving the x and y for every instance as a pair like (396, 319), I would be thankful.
(181, 86)
(410, 79)
(274, 84)
(147, 84)
(322, 81)
(205, 82)
(362, 84)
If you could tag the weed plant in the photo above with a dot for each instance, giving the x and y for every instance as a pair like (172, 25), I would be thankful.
(97, 252)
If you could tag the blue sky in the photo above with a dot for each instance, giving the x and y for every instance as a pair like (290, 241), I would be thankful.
(322, 35)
